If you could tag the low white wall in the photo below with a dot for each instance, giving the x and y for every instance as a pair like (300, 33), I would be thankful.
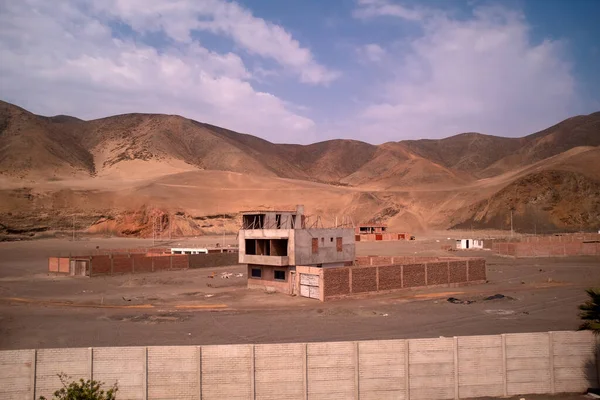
(442, 368)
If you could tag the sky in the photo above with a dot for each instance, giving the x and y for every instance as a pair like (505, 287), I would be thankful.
(303, 71)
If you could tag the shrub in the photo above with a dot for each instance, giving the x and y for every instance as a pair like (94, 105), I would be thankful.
(82, 390)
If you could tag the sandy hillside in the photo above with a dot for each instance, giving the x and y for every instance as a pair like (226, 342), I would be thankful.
(125, 174)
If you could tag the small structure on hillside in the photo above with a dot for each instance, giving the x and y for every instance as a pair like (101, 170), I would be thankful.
(469, 244)
(375, 232)
(285, 255)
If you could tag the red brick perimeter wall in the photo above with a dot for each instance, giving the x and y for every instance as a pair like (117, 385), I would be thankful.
(547, 249)
(339, 282)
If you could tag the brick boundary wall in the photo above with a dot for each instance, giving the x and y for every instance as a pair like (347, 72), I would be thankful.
(381, 237)
(439, 272)
(547, 249)
(456, 367)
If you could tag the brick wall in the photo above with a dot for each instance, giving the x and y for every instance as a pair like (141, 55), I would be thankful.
(212, 260)
(476, 269)
(413, 275)
(366, 279)
(122, 265)
(336, 281)
(432, 368)
(390, 277)
(363, 279)
(549, 247)
(101, 265)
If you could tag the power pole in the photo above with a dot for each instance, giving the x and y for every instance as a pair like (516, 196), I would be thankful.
(73, 227)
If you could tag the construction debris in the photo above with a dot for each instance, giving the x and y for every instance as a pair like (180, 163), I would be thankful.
(454, 300)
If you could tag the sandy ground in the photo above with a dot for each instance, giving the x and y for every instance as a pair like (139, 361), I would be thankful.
(189, 307)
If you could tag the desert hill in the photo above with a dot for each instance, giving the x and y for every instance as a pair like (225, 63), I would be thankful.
(117, 173)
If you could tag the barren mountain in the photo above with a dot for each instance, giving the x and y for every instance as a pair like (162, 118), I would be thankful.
(117, 174)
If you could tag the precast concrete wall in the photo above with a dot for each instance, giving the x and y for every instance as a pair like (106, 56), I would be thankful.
(440, 368)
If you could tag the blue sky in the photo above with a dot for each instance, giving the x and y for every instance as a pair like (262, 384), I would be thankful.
(301, 71)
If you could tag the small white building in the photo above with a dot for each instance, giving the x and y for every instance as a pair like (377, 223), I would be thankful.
(188, 250)
(466, 244)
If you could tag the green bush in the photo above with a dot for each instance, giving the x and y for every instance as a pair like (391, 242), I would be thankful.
(590, 312)
(82, 390)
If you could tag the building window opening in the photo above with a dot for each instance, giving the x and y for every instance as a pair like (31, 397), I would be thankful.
(251, 247)
(322, 241)
(315, 245)
(331, 240)
(279, 275)
(338, 244)
(256, 273)
(254, 221)
(278, 221)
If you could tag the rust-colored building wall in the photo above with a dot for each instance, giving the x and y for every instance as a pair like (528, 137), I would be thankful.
(363, 279)
(53, 264)
(162, 263)
(142, 264)
(100, 265)
(122, 265)
(336, 281)
(63, 265)
(179, 262)
(267, 279)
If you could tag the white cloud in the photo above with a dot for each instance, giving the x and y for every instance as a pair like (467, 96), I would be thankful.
(480, 74)
(379, 8)
(61, 58)
(372, 52)
(179, 18)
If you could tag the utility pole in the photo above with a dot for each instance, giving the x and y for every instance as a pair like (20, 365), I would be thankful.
(73, 227)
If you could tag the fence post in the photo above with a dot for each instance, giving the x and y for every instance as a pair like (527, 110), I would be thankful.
(305, 370)
(455, 348)
(32, 377)
(551, 362)
(407, 368)
(356, 372)
(145, 380)
(253, 373)
(91, 266)
(199, 372)
(504, 378)
(91, 350)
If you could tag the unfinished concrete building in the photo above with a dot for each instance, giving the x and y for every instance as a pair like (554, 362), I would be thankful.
(284, 255)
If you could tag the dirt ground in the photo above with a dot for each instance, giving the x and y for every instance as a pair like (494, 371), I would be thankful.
(189, 307)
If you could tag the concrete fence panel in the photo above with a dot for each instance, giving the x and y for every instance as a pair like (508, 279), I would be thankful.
(75, 363)
(279, 371)
(382, 369)
(332, 370)
(573, 361)
(528, 363)
(125, 366)
(431, 368)
(480, 366)
(228, 372)
(174, 372)
(17, 374)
